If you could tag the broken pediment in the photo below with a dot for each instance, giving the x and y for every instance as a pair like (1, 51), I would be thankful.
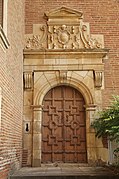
(65, 29)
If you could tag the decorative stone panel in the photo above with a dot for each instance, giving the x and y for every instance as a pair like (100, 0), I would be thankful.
(65, 29)
(70, 37)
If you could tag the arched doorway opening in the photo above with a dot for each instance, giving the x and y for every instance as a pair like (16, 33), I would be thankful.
(64, 126)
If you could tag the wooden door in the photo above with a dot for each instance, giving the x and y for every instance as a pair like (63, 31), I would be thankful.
(63, 126)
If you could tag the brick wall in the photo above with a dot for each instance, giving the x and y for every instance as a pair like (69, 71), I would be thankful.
(103, 16)
(12, 98)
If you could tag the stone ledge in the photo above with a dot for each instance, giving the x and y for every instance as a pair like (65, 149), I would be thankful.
(82, 50)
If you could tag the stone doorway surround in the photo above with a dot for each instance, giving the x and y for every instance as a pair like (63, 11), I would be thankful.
(62, 52)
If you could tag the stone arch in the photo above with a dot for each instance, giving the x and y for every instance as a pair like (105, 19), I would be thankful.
(38, 103)
(79, 85)
(42, 86)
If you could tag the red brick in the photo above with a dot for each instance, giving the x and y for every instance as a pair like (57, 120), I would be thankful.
(11, 65)
(103, 16)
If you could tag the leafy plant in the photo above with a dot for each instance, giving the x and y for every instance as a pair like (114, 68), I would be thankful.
(107, 122)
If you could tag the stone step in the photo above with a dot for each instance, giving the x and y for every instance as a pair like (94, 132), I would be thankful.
(65, 177)
(70, 172)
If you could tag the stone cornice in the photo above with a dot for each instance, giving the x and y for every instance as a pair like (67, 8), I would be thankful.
(101, 53)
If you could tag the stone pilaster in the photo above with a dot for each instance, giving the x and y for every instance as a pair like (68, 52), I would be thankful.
(37, 136)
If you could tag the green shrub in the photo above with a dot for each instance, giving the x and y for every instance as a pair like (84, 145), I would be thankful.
(107, 122)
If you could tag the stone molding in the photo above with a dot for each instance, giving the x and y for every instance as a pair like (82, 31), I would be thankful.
(28, 80)
(3, 39)
(44, 81)
(0, 105)
(90, 107)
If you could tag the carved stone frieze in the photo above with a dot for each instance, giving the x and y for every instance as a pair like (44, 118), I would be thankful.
(64, 30)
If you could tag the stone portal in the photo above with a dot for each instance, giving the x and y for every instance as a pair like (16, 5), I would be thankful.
(59, 57)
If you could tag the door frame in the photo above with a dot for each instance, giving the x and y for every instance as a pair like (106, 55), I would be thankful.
(90, 108)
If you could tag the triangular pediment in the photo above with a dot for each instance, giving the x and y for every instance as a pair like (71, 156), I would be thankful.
(64, 12)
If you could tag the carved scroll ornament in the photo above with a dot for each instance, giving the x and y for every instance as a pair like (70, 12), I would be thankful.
(98, 79)
(37, 41)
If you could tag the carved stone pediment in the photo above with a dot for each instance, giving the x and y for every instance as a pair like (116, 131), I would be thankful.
(65, 29)
(65, 13)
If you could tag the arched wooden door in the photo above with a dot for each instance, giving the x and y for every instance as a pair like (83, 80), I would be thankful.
(64, 126)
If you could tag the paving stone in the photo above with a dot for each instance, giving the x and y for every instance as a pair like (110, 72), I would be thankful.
(64, 172)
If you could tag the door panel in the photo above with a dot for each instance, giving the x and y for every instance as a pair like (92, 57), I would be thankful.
(63, 126)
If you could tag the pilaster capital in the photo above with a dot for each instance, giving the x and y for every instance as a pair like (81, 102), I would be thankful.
(90, 107)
